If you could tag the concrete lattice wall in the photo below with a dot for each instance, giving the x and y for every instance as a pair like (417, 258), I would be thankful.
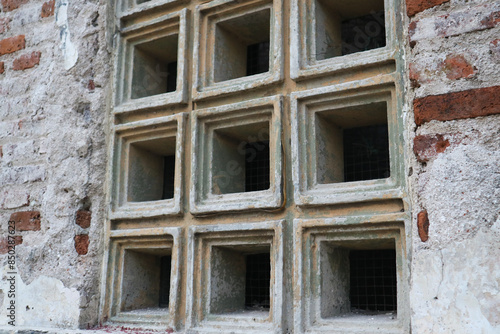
(55, 75)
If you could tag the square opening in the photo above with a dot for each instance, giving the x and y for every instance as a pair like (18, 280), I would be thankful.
(241, 159)
(346, 27)
(358, 278)
(242, 46)
(146, 280)
(151, 171)
(240, 279)
(352, 144)
(155, 67)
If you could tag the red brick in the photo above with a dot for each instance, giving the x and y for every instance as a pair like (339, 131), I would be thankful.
(423, 225)
(2, 69)
(416, 6)
(4, 243)
(414, 76)
(26, 61)
(427, 146)
(26, 220)
(83, 218)
(491, 21)
(457, 67)
(4, 24)
(9, 5)
(48, 8)
(82, 244)
(91, 85)
(12, 44)
(459, 105)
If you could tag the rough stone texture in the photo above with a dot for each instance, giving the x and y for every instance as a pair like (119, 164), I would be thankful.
(459, 105)
(54, 159)
(26, 61)
(82, 244)
(26, 220)
(416, 6)
(423, 225)
(12, 44)
(83, 218)
(4, 24)
(48, 8)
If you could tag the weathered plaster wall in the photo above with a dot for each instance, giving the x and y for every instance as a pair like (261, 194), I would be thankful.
(453, 60)
(55, 68)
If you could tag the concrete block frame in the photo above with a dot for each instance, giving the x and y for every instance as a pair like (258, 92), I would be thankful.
(138, 151)
(136, 281)
(215, 161)
(321, 243)
(220, 57)
(202, 304)
(145, 50)
(359, 103)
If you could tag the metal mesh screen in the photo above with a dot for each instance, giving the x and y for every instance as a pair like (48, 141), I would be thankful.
(168, 177)
(363, 33)
(366, 153)
(166, 265)
(257, 166)
(373, 280)
(258, 58)
(257, 281)
(171, 76)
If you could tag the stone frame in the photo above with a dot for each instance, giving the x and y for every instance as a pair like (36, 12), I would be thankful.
(203, 124)
(127, 9)
(359, 230)
(159, 128)
(302, 44)
(175, 23)
(168, 239)
(206, 17)
(305, 105)
(200, 242)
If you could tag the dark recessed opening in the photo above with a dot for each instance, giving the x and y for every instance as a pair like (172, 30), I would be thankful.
(257, 166)
(258, 58)
(373, 280)
(168, 176)
(166, 265)
(171, 76)
(257, 281)
(362, 33)
(366, 153)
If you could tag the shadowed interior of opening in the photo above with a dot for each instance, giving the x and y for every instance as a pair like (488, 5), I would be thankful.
(373, 280)
(166, 265)
(257, 166)
(257, 281)
(258, 58)
(366, 153)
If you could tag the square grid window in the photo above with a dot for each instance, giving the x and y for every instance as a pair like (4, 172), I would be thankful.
(281, 121)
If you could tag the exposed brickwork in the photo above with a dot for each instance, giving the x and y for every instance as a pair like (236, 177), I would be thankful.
(4, 243)
(10, 5)
(26, 220)
(459, 105)
(82, 244)
(12, 44)
(414, 76)
(427, 146)
(495, 49)
(480, 17)
(416, 6)
(91, 85)
(423, 225)
(48, 8)
(83, 218)
(26, 61)
(4, 24)
(457, 67)
(2, 69)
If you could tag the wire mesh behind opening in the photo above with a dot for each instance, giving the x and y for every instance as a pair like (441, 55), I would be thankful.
(168, 177)
(257, 281)
(366, 153)
(373, 35)
(258, 58)
(373, 280)
(257, 166)
(165, 268)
